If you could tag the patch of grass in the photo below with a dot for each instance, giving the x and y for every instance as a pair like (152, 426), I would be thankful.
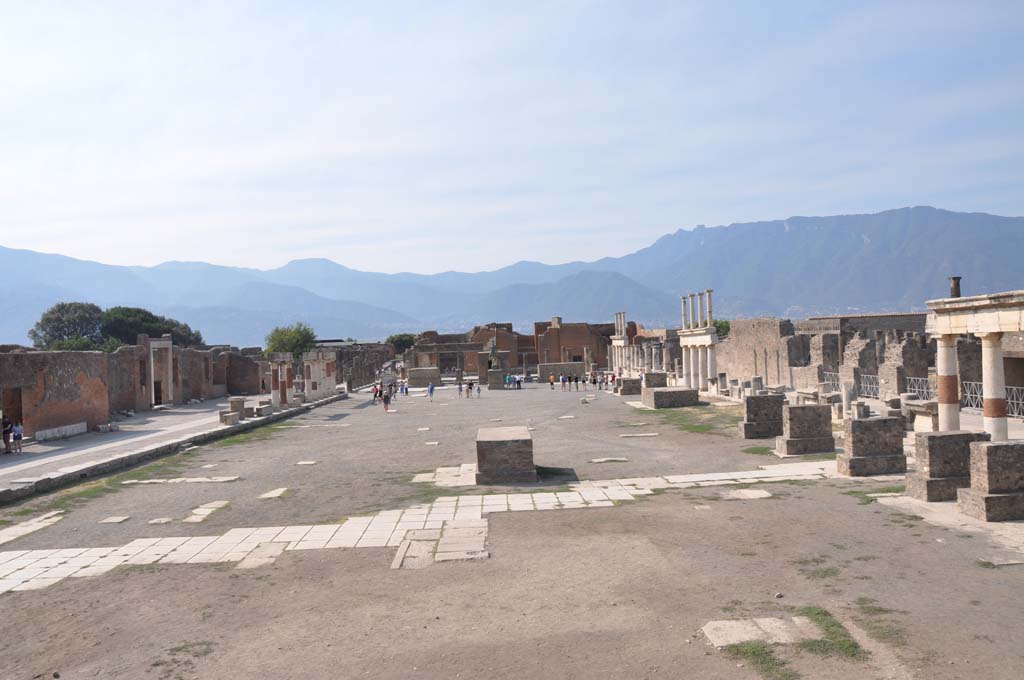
(196, 650)
(864, 499)
(810, 561)
(257, 434)
(759, 450)
(837, 640)
(822, 573)
(761, 657)
(865, 558)
(748, 554)
(985, 564)
(706, 419)
(876, 622)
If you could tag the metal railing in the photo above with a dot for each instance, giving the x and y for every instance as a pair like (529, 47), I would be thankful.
(1015, 401)
(869, 386)
(922, 388)
(971, 395)
(831, 380)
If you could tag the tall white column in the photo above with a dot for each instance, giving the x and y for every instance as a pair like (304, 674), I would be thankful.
(170, 375)
(712, 364)
(948, 383)
(702, 364)
(152, 379)
(682, 299)
(711, 319)
(694, 368)
(993, 386)
(693, 309)
(701, 317)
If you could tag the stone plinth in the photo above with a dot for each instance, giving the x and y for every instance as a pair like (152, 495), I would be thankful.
(872, 446)
(656, 379)
(806, 428)
(237, 405)
(668, 397)
(264, 410)
(762, 416)
(495, 379)
(229, 417)
(943, 464)
(629, 386)
(422, 377)
(504, 455)
(996, 493)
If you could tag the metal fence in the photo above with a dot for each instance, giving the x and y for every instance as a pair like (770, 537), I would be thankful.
(869, 386)
(831, 381)
(1015, 401)
(922, 388)
(970, 395)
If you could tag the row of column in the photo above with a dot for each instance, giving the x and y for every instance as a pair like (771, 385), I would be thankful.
(699, 365)
(993, 384)
(627, 358)
(697, 310)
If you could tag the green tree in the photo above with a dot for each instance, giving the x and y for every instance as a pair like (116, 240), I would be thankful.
(721, 327)
(125, 324)
(68, 321)
(401, 341)
(296, 339)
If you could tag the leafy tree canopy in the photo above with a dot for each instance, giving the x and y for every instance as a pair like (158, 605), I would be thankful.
(401, 341)
(297, 338)
(721, 327)
(68, 321)
(125, 324)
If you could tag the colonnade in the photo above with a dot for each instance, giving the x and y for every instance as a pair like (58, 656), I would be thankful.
(993, 384)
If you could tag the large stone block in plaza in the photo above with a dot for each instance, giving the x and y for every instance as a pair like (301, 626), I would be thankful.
(872, 446)
(656, 379)
(806, 428)
(943, 464)
(996, 493)
(422, 377)
(504, 455)
(629, 386)
(495, 379)
(762, 416)
(668, 397)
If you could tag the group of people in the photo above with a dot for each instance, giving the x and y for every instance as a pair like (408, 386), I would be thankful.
(469, 389)
(597, 381)
(13, 432)
(513, 382)
(387, 393)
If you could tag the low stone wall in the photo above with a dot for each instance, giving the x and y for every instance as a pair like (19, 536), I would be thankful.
(422, 377)
(872, 446)
(628, 387)
(656, 379)
(762, 416)
(668, 397)
(943, 464)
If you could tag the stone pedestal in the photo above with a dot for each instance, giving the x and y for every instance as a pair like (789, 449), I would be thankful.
(996, 493)
(762, 416)
(422, 377)
(229, 418)
(237, 405)
(943, 464)
(504, 455)
(265, 410)
(655, 379)
(668, 397)
(872, 446)
(495, 379)
(629, 386)
(806, 428)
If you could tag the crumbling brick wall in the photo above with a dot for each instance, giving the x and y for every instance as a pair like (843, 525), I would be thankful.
(128, 379)
(56, 389)
(765, 347)
(243, 375)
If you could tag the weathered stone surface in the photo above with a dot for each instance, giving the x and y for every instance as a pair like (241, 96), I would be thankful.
(872, 446)
(229, 418)
(935, 489)
(943, 464)
(504, 454)
(870, 465)
(762, 416)
(806, 421)
(991, 507)
(997, 467)
(655, 379)
(807, 445)
(422, 377)
(629, 386)
(668, 397)
(495, 379)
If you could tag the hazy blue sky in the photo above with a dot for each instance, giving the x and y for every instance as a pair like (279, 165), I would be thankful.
(431, 136)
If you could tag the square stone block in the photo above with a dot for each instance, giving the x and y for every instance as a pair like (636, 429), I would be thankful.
(800, 447)
(874, 437)
(945, 454)
(762, 408)
(935, 489)
(495, 379)
(991, 507)
(668, 397)
(504, 455)
(229, 418)
(806, 421)
(997, 467)
(656, 379)
(422, 377)
(236, 404)
(865, 466)
(629, 386)
(760, 430)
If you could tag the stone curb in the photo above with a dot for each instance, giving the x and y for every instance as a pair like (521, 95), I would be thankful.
(57, 480)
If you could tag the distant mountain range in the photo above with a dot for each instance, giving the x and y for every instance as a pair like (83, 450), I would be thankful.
(888, 261)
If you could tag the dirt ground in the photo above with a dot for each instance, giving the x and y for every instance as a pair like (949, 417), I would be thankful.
(565, 593)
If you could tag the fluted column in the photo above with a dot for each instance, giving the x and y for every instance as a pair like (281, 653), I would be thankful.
(710, 317)
(712, 364)
(693, 309)
(702, 317)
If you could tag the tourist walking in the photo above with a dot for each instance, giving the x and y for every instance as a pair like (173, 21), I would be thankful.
(469, 390)
(460, 390)
(576, 378)
(430, 391)
(551, 379)
(387, 401)
(8, 430)
(19, 433)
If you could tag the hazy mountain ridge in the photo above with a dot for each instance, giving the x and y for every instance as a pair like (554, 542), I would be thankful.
(888, 261)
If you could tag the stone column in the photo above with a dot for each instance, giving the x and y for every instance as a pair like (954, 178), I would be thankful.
(152, 379)
(694, 368)
(712, 364)
(701, 317)
(948, 383)
(993, 385)
(685, 366)
(170, 375)
(693, 309)
(702, 367)
(711, 319)
(683, 299)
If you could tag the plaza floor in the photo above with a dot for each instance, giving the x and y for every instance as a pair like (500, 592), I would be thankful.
(306, 547)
